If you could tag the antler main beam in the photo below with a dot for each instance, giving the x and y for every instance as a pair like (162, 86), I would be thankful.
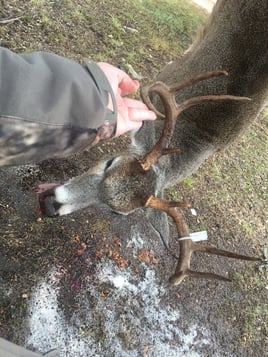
(187, 246)
(173, 109)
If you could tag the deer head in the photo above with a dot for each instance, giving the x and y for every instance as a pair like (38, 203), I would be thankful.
(140, 177)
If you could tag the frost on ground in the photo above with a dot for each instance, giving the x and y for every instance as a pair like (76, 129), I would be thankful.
(121, 315)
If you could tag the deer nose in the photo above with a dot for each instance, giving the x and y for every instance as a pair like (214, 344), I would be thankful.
(48, 204)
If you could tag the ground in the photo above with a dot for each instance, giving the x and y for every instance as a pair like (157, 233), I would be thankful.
(206, 4)
(80, 282)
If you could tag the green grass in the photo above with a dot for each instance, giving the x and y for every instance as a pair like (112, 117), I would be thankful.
(253, 318)
(172, 24)
(100, 226)
(178, 17)
(148, 28)
(188, 183)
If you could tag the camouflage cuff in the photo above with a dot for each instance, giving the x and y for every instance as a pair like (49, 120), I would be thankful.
(105, 90)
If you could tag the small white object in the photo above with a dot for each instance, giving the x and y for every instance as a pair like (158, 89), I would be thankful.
(196, 236)
(199, 236)
(193, 211)
(185, 238)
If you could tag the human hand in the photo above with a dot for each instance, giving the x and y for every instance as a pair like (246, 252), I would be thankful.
(131, 112)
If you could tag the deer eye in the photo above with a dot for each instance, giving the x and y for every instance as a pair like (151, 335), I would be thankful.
(109, 163)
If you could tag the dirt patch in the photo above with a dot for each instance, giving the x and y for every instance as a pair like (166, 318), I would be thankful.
(78, 282)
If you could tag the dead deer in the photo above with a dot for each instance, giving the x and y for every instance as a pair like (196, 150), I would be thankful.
(210, 110)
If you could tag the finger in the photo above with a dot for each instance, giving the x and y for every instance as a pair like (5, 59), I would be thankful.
(132, 125)
(134, 103)
(138, 115)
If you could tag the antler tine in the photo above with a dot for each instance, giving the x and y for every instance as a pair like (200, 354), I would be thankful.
(208, 98)
(163, 205)
(145, 91)
(145, 96)
(173, 109)
(177, 278)
(224, 253)
(187, 246)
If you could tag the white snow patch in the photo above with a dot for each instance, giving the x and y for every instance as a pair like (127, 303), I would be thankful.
(131, 320)
(136, 241)
(47, 324)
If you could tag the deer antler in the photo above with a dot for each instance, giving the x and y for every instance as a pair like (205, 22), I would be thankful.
(173, 109)
(187, 246)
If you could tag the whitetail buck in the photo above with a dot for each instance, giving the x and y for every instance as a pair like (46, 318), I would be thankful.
(234, 40)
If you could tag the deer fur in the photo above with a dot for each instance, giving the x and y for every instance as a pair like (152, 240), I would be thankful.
(235, 39)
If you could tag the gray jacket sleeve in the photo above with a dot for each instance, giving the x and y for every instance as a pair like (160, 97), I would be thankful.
(50, 106)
